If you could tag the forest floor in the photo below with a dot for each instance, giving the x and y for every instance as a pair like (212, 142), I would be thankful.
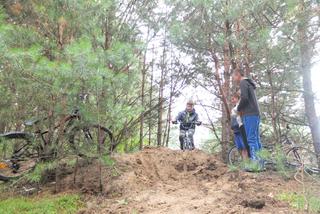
(160, 180)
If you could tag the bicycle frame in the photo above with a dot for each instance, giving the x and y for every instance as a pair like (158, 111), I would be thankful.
(187, 144)
(41, 142)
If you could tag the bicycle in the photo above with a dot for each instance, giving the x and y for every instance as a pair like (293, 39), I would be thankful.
(23, 150)
(295, 156)
(187, 139)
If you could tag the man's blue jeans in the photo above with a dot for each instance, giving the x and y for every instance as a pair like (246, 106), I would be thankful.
(251, 124)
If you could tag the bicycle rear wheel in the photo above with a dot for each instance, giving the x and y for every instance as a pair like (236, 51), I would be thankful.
(18, 155)
(91, 140)
(300, 156)
(234, 157)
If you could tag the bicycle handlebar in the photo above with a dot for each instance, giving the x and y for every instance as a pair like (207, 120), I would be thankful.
(198, 123)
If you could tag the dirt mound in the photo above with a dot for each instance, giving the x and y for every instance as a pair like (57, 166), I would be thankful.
(160, 180)
(138, 171)
(163, 166)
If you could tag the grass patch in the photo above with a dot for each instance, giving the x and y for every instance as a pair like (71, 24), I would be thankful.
(298, 201)
(62, 204)
(233, 168)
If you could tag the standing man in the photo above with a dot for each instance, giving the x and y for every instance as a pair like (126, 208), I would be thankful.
(249, 109)
(188, 120)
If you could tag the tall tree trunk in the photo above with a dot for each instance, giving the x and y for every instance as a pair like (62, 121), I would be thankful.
(150, 105)
(142, 116)
(108, 27)
(226, 87)
(163, 141)
(160, 109)
(143, 73)
(169, 113)
(274, 114)
(161, 90)
(306, 49)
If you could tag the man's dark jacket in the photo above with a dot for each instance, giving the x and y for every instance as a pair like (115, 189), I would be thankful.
(187, 119)
(248, 102)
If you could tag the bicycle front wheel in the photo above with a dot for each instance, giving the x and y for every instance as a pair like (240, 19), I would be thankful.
(91, 140)
(303, 157)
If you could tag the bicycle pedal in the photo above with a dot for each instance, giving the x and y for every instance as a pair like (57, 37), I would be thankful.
(15, 166)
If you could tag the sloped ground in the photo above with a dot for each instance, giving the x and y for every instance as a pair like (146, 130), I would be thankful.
(159, 180)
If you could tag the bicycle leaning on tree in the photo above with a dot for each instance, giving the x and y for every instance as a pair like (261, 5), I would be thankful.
(21, 151)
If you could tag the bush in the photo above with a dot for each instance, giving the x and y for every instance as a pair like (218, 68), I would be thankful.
(301, 202)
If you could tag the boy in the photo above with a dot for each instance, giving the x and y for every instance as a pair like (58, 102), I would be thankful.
(188, 120)
(236, 123)
(249, 108)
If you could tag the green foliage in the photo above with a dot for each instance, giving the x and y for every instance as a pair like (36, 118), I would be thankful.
(277, 158)
(42, 70)
(233, 168)
(107, 160)
(280, 161)
(37, 174)
(64, 204)
(264, 154)
(301, 202)
(251, 165)
(123, 202)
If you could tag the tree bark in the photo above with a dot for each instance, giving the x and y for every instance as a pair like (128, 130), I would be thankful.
(161, 90)
(160, 109)
(169, 113)
(306, 49)
(150, 105)
(143, 73)
(274, 114)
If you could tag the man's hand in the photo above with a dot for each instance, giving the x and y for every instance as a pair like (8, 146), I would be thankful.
(174, 122)
(198, 123)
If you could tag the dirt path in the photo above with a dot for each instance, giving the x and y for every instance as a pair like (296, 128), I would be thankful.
(165, 181)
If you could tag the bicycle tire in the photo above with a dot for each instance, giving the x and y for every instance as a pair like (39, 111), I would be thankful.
(187, 145)
(303, 157)
(232, 155)
(84, 140)
(25, 167)
(184, 145)
(19, 158)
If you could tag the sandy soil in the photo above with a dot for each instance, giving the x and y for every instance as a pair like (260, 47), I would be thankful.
(159, 180)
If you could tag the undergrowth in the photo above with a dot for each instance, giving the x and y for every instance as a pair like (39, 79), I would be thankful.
(61, 204)
(306, 203)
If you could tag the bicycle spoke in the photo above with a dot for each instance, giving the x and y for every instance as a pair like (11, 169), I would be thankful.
(234, 157)
(19, 158)
(303, 157)
(90, 140)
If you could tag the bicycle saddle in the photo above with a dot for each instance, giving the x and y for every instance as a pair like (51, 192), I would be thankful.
(23, 135)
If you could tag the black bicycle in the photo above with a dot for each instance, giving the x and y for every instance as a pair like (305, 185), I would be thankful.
(294, 155)
(21, 151)
(188, 134)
